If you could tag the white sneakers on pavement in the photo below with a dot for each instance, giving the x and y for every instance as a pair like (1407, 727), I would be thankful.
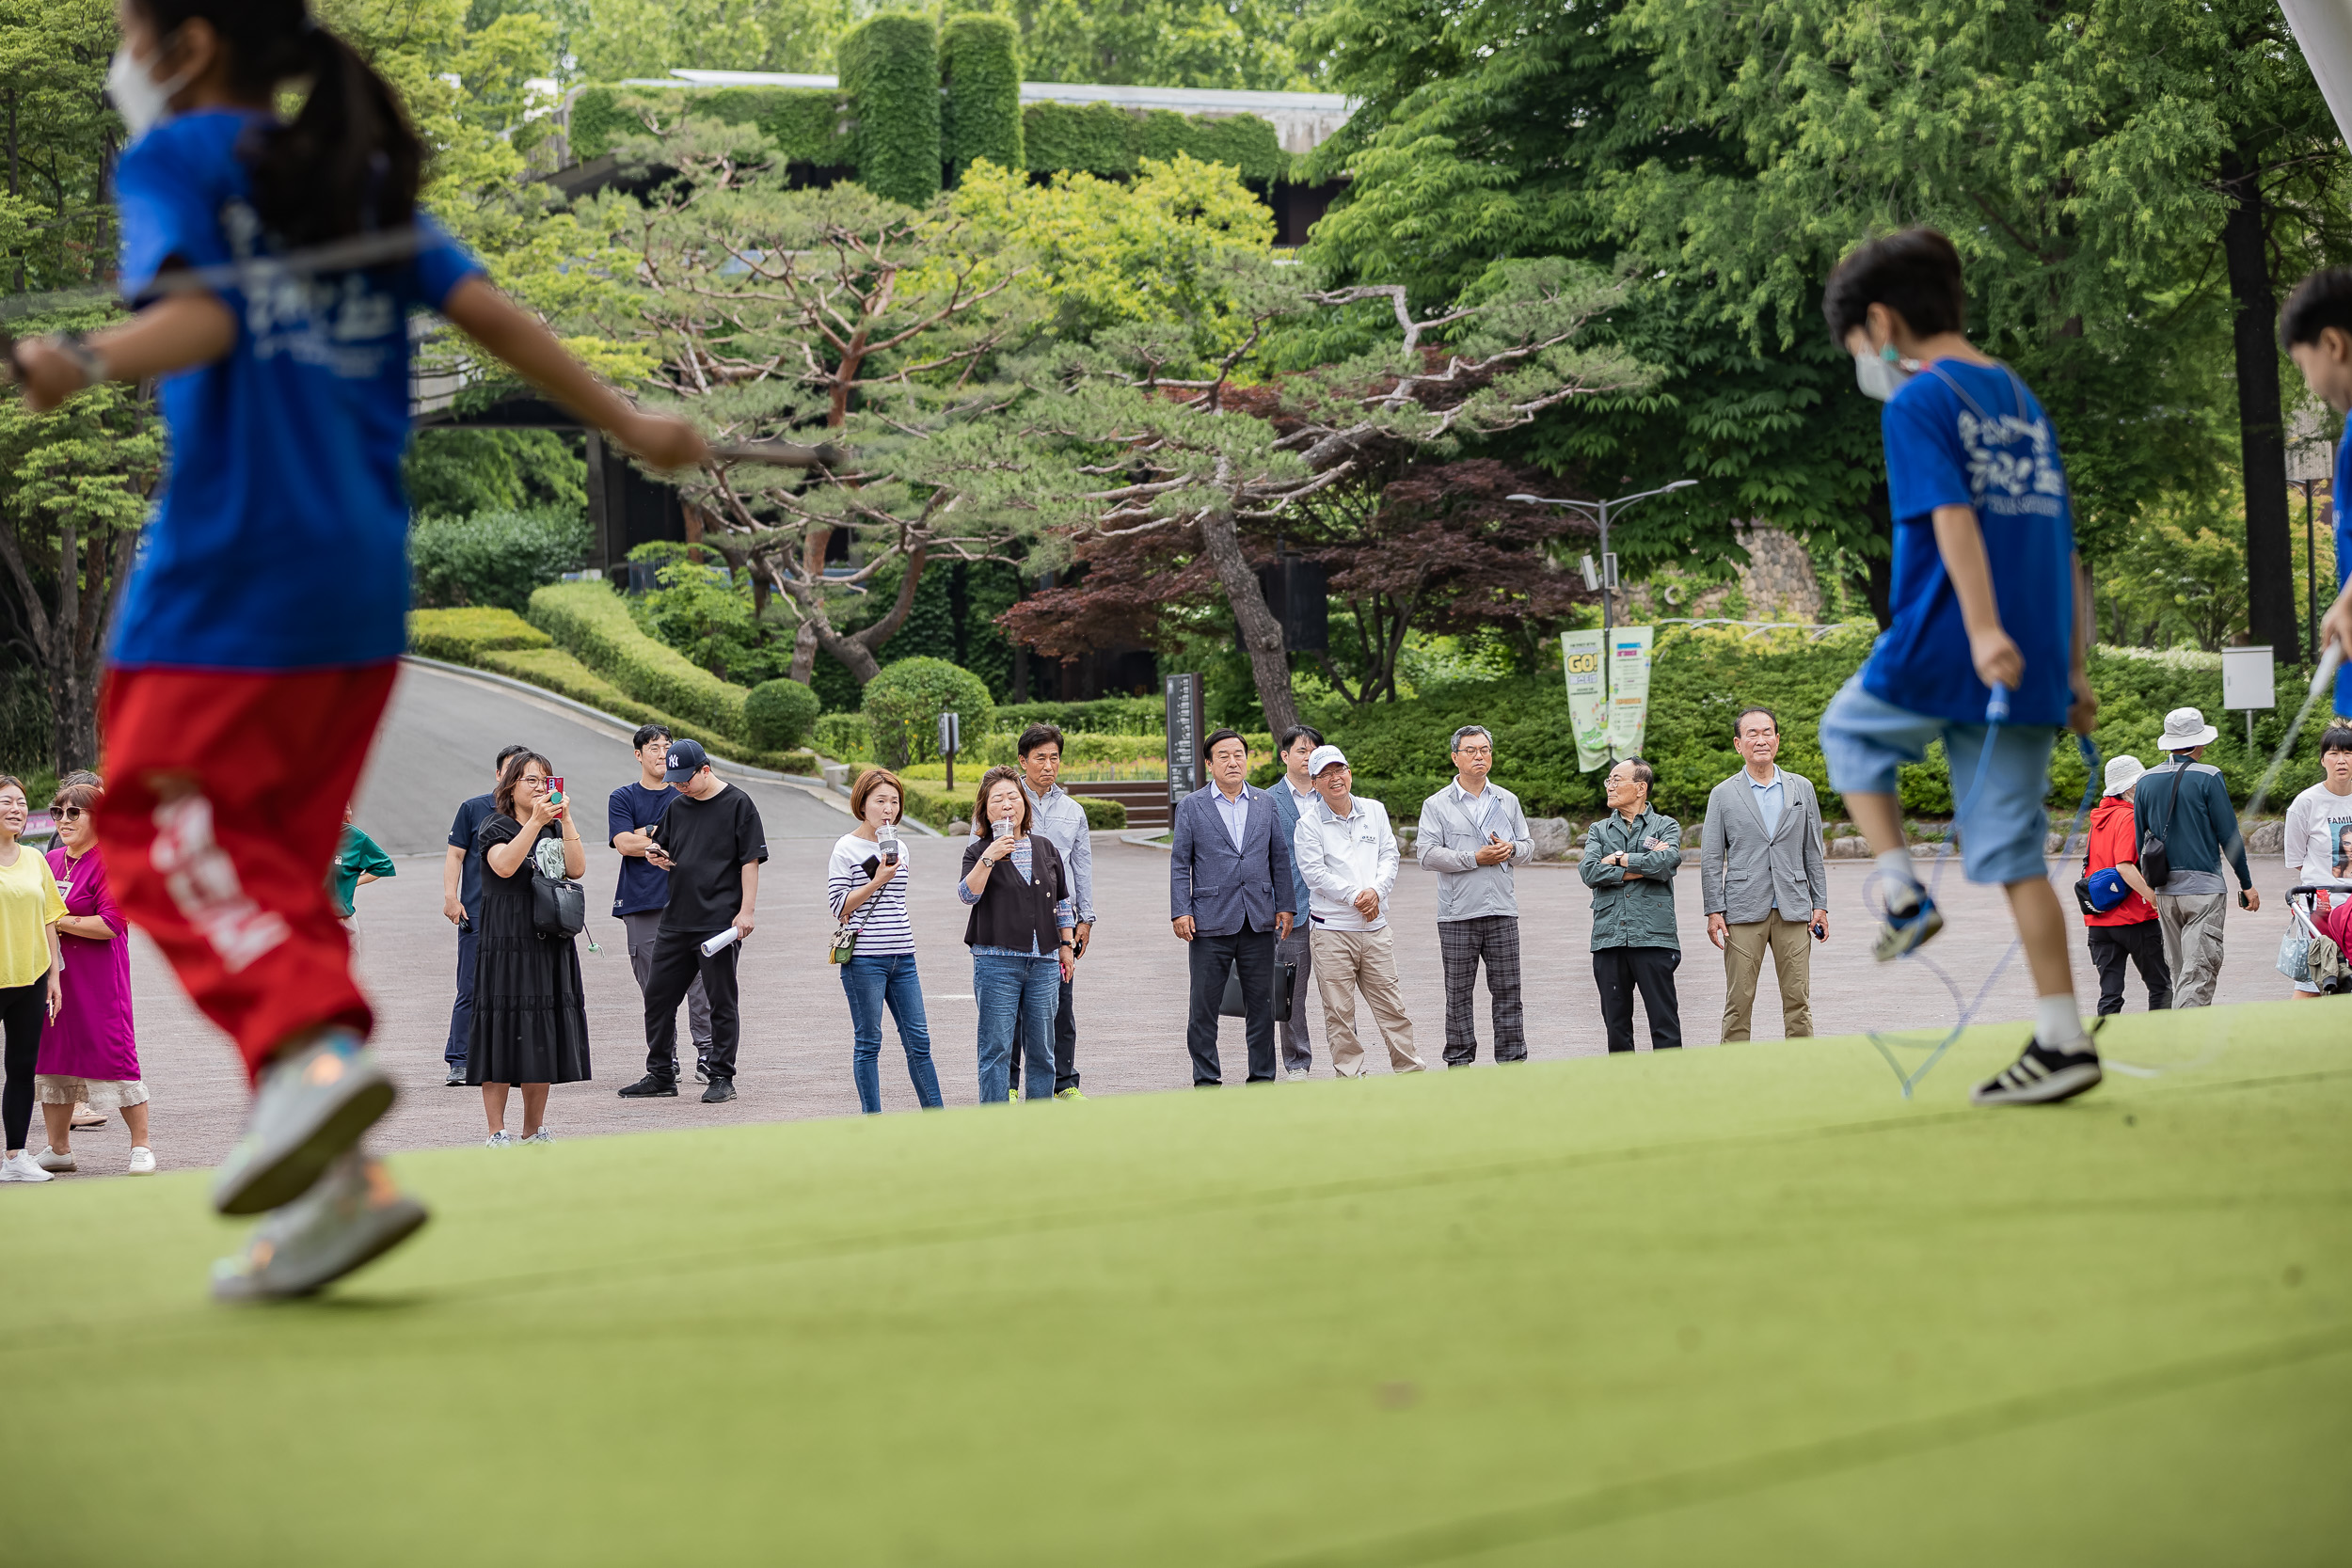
(22, 1166)
(142, 1161)
(498, 1140)
(53, 1161)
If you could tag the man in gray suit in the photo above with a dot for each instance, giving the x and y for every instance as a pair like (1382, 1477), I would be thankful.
(1229, 897)
(1760, 871)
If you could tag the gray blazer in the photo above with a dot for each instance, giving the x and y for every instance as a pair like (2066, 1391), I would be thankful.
(1218, 887)
(1741, 872)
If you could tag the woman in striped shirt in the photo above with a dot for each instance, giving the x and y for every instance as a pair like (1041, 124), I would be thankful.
(1020, 937)
(866, 885)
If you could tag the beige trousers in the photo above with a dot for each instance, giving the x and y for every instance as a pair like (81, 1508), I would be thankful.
(2192, 944)
(1792, 963)
(1347, 962)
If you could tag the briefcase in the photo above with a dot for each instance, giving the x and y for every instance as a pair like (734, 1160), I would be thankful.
(1285, 976)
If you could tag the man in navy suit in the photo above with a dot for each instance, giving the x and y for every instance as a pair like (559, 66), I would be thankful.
(1230, 895)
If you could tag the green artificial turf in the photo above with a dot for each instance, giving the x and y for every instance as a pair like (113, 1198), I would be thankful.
(1740, 1306)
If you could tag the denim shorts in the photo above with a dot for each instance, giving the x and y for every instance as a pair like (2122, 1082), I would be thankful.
(2003, 825)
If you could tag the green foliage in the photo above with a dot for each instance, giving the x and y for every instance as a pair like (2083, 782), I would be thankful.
(649, 38)
(589, 621)
(1103, 817)
(890, 69)
(999, 748)
(903, 703)
(1105, 140)
(27, 732)
(1173, 43)
(704, 610)
(1105, 716)
(845, 737)
(778, 715)
(980, 61)
(805, 125)
(2178, 575)
(452, 472)
(556, 671)
(463, 635)
(494, 558)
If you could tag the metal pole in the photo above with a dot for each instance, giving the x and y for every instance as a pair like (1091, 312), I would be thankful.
(2311, 575)
(1607, 649)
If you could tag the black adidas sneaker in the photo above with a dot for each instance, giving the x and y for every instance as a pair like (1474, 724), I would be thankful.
(2041, 1077)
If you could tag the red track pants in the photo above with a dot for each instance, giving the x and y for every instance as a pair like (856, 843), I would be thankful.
(225, 795)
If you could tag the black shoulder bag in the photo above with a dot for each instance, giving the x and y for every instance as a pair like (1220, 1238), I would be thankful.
(2155, 864)
(558, 905)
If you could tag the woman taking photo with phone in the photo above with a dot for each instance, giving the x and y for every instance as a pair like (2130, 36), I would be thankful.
(1020, 937)
(90, 1054)
(530, 1018)
(866, 885)
(30, 965)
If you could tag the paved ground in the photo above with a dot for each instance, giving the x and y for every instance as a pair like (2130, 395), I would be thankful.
(1131, 987)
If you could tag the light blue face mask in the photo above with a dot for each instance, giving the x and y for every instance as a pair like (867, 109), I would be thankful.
(1880, 376)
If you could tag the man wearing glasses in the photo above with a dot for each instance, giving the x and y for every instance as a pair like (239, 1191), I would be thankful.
(1471, 833)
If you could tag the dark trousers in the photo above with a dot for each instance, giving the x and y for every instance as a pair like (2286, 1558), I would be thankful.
(1461, 945)
(1213, 959)
(461, 1010)
(22, 1010)
(2112, 947)
(1066, 1042)
(1619, 971)
(677, 959)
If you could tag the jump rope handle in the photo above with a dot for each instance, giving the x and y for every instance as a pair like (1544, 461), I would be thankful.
(1996, 705)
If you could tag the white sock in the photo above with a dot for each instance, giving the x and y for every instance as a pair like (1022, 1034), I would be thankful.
(1902, 882)
(2058, 1025)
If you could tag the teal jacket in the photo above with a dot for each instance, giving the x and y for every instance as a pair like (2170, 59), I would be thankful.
(1639, 912)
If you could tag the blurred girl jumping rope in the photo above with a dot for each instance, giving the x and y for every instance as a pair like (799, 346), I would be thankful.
(258, 636)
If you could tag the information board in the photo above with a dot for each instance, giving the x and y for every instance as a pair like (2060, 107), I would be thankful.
(1184, 736)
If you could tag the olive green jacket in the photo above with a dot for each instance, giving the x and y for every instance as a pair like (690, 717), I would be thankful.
(1640, 911)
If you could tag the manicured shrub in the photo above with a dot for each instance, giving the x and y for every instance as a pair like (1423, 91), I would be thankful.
(1103, 139)
(778, 714)
(589, 621)
(845, 737)
(556, 671)
(493, 558)
(1103, 815)
(903, 703)
(890, 70)
(980, 65)
(463, 635)
(1105, 716)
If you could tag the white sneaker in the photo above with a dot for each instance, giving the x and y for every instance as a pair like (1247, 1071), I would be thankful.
(22, 1166)
(50, 1160)
(1296, 1075)
(541, 1136)
(142, 1161)
(496, 1140)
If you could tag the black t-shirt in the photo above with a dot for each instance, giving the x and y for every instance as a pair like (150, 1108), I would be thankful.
(709, 841)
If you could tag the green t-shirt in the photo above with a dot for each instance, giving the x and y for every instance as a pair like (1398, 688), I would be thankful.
(357, 855)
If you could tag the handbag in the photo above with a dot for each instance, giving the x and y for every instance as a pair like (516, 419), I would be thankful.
(1285, 978)
(2295, 956)
(2155, 864)
(558, 905)
(2097, 892)
(844, 933)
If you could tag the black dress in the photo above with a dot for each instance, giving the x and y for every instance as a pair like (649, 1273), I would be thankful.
(530, 1018)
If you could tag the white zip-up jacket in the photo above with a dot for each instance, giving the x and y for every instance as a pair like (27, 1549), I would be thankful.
(1340, 857)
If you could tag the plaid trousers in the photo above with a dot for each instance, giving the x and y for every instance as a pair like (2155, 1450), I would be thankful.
(1461, 943)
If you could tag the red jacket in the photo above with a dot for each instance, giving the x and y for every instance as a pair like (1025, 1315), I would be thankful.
(2112, 842)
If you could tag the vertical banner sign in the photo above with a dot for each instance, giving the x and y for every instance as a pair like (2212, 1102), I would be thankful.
(1580, 656)
(1184, 736)
(1628, 689)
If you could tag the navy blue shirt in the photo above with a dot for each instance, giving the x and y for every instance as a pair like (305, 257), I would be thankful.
(461, 837)
(1963, 435)
(2343, 504)
(643, 885)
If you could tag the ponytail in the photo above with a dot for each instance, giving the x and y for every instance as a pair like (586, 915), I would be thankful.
(350, 162)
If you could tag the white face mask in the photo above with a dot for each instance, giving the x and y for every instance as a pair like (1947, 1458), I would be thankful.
(1880, 376)
(138, 98)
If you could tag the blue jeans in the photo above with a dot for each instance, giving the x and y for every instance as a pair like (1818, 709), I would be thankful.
(870, 984)
(1021, 994)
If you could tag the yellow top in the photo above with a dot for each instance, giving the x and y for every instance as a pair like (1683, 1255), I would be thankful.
(30, 905)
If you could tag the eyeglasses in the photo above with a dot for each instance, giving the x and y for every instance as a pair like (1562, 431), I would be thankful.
(69, 813)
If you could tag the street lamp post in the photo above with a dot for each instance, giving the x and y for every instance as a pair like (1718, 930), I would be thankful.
(1601, 513)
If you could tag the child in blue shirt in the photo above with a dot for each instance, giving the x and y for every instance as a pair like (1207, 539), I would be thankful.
(2315, 329)
(1986, 592)
(259, 631)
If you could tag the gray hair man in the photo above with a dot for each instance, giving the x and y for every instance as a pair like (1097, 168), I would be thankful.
(1762, 879)
(2182, 804)
(1471, 833)
(1344, 850)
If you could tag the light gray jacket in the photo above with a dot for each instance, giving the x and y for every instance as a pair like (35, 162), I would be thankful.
(1741, 872)
(1448, 841)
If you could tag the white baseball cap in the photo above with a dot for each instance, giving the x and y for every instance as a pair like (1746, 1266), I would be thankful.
(2122, 772)
(1323, 757)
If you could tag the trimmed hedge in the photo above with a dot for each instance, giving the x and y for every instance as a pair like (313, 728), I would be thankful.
(931, 804)
(903, 703)
(553, 670)
(996, 750)
(1106, 140)
(1107, 816)
(980, 65)
(778, 714)
(808, 125)
(1105, 716)
(463, 635)
(890, 70)
(845, 737)
(589, 621)
(493, 559)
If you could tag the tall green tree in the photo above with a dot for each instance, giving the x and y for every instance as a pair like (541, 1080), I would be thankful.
(54, 229)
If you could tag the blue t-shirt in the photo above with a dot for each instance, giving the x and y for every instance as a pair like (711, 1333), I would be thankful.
(2343, 505)
(643, 885)
(461, 837)
(1963, 435)
(282, 539)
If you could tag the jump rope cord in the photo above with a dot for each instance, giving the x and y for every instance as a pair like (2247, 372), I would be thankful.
(1966, 1009)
